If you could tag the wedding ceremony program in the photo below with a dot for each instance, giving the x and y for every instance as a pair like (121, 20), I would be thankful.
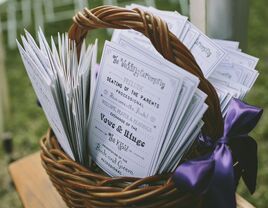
(135, 113)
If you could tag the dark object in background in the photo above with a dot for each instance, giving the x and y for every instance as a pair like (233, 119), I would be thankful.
(7, 142)
(38, 103)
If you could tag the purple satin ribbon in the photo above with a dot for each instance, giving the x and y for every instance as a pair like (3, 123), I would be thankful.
(213, 175)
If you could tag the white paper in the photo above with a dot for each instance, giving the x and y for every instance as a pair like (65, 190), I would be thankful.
(62, 85)
(118, 71)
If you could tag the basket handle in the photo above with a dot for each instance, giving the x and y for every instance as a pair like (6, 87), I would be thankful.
(163, 40)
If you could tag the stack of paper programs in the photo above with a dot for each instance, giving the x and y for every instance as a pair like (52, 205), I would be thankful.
(62, 84)
(146, 112)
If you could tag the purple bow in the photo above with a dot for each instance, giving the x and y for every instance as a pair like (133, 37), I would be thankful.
(213, 175)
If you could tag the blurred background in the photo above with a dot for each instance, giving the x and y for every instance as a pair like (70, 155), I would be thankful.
(22, 122)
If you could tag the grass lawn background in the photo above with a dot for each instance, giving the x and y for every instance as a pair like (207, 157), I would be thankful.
(27, 122)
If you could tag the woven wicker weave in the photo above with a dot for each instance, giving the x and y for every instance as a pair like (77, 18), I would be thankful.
(80, 187)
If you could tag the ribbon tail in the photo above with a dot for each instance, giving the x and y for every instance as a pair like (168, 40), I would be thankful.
(221, 193)
(244, 149)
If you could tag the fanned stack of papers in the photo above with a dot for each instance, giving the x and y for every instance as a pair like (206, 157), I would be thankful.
(235, 75)
(62, 84)
(231, 71)
(142, 113)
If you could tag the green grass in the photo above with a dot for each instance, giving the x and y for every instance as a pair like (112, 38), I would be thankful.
(258, 46)
(27, 122)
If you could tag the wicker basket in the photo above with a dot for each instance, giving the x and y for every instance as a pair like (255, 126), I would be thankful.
(81, 187)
